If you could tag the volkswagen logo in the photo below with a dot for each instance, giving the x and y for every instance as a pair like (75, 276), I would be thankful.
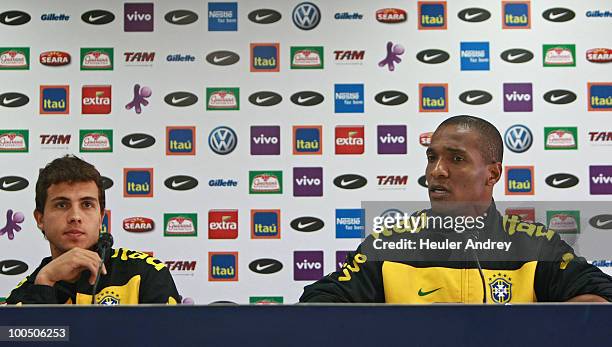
(222, 140)
(518, 138)
(306, 16)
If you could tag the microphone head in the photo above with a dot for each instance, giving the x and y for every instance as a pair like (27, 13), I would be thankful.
(105, 240)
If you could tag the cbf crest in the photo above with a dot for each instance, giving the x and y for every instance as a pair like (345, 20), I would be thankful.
(108, 297)
(501, 288)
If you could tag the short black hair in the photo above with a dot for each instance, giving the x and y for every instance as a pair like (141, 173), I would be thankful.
(492, 149)
(67, 169)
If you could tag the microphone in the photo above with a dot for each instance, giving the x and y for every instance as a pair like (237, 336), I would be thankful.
(474, 235)
(105, 242)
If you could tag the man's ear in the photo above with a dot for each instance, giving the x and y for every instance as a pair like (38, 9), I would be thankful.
(38, 217)
(495, 171)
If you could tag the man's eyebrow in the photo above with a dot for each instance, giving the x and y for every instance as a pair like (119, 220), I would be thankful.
(455, 150)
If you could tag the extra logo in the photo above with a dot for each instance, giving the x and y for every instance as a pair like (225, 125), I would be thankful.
(265, 266)
(475, 97)
(181, 182)
(180, 140)
(599, 55)
(349, 139)
(14, 141)
(98, 140)
(392, 182)
(349, 98)
(599, 96)
(14, 18)
(222, 58)
(307, 265)
(558, 14)
(54, 58)
(138, 140)
(350, 181)
(602, 221)
(13, 183)
(138, 17)
(138, 224)
(474, 15)
(562, 180)
(433, 97)
(181, 99)
(97, 17)
(307, 98)
(350, 223)
(518, 97)
(560, 96)
(563, 222)
(222, 99)
(12, 267)
(222, 266)
(391, 15)
(264, 16)
(560, 138)
(600, 137)
(137, 183)
(516, 55)
(432, 15)
(180, 224)
(519, 180)
(308, 140)
(600, 179)
(307, 57)
(307, 224)
(306, 16)
(559, 55)
(307, 181)
(391, 98)
(265, 98)
(349, 57)
(13, 99)
(96, 100)
(54, 99)
(222, 16)
(222, 140)
(392, 139)
(518, 138)
(516, 14)
(181, 17)
(474, 56)
(97, 58)
(139, 58)
(265, 182)
(265, 140)
(265, 224)
(265, 57)
(222, 224)
(432, 56)
(14, 58)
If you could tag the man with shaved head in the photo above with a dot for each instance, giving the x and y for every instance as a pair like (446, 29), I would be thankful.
(530, 264)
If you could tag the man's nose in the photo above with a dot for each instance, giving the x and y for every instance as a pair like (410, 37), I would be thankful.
(439, 169)
(74, 215)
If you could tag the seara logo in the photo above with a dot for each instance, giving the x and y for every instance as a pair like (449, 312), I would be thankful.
(433, 97)
(519, 180)
(265, 224)
(265, 182)
(599, 55)
(222, 224)
(222, 266)
(265, 57)
(180, 224)
(599, 96)
(308, 265)
(54, 99)
(54, 58)
(180, 140)
(137, 183)
(432, 15)
(391, 15)
(138, 224)
(14, 141)
(222, 99)
(14, 58)
(307, 140)
(99, 140)
(516, 14)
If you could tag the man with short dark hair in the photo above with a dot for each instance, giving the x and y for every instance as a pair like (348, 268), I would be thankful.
(463, 165)
(70, 202)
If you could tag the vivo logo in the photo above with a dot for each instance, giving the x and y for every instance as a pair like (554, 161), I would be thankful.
(305, 181)
(306, 265)
(392, 139)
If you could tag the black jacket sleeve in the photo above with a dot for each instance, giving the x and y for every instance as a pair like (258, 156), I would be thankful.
(27, 292)
(562, 275)
(359, 280)
(158, 287)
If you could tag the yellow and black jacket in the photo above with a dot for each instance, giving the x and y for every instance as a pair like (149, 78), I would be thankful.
(132, 278)
(538, 267)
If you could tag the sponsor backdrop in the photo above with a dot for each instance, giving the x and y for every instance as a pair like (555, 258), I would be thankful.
(238, 139)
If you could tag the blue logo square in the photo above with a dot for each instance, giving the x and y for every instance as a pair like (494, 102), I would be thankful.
(433, 98)
(138, 183)
(54, 100)
(348, 98)
(516, 15)
(308, 140)
(222, 16)
(600, 97)
(266, 224)
(181, 141)
(432, 16)
(265, 57)
(519, 181)
(223, 267)
(350, 223)
(474, 56)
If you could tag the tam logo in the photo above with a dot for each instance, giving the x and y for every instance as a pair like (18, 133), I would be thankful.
(138, 224)
(55, 139)
(308, 265)
(433, 97)
(516, 14)
(138, 183)
(307, 140)
(519, 180)
(96, 100)
(139, 58)
(265, 57)
(432, 15)
(349, 57)
(392, 182)
(265, 224)
(180, 140)
(350, 139)
(222, 224)
(54, 99)
(223, 266)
